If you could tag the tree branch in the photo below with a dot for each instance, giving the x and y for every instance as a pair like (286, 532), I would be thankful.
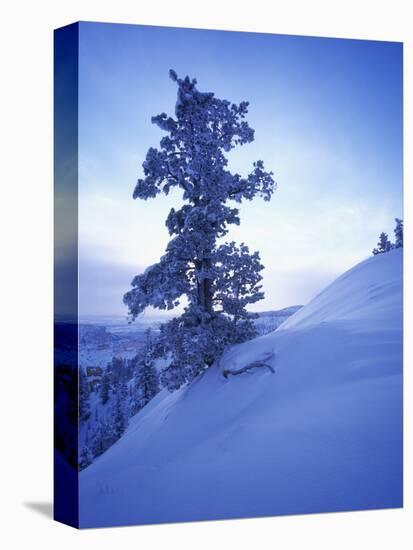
(253, 365)
(178, 180)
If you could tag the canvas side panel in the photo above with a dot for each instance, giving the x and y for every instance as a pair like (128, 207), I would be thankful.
(66, 406)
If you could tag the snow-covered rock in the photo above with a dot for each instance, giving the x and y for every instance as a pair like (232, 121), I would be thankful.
(321, 434)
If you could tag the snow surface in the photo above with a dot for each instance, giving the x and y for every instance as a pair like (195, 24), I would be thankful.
(322, 434)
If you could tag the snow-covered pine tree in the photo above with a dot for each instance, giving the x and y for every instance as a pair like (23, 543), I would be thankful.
(218, 280)
(122, 393)
(145, 379)
(97, 445)
(384, 244)
(116, 370)
(398, 232)
(148, 382)
(84, 396)
(105, 387)
(85, 457)
(135, 400)
(118, 423)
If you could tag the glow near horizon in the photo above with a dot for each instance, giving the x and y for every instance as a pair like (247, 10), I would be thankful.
(327, 115)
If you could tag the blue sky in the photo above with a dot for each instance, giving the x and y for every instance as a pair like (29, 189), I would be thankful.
(327, 115)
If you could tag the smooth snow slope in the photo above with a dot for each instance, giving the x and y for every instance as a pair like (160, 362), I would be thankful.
(322, 434)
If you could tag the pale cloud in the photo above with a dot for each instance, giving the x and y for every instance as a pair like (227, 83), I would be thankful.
(333, 143)
(305, 238)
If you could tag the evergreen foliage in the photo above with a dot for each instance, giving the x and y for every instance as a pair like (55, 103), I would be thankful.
(125, 388)
(218, 281)
(105, 387)
(384, 244)
(84, 405)
(398, 232)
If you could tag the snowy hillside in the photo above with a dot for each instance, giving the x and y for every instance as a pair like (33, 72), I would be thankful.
(323, 433)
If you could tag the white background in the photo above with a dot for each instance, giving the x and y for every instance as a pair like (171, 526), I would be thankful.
(27, 262)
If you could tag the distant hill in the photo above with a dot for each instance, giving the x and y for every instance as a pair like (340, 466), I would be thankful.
(268, 321)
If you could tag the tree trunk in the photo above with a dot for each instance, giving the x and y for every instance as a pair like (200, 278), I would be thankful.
(207, 288)
(204, 287)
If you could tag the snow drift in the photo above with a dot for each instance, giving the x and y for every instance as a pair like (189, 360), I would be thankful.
(321, 434)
